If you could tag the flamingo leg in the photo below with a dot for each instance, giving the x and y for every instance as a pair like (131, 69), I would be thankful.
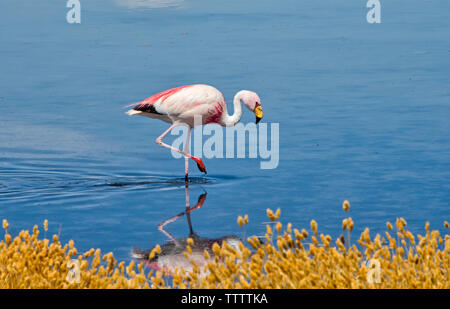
(159, 141)
(186, 158)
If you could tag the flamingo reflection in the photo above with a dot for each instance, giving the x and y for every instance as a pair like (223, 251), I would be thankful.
(171, 255)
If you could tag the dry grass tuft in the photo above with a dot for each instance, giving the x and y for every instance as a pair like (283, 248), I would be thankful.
(284, 258)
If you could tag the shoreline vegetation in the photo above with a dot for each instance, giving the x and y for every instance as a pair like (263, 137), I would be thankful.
(284, 258)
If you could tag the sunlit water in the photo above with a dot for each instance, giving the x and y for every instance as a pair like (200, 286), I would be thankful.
(363, 111)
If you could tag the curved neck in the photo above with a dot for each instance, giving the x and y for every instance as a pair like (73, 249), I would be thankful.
(230, 121)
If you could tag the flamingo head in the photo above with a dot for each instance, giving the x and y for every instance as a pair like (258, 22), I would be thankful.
(253, 103)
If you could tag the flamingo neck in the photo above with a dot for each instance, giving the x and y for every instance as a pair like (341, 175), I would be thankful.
(231, 120)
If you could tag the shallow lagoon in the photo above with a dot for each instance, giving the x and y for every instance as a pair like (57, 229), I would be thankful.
(363, 112)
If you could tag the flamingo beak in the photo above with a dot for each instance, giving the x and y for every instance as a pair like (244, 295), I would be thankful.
(258, 113)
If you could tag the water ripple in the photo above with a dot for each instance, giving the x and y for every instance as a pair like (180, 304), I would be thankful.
(51, 186)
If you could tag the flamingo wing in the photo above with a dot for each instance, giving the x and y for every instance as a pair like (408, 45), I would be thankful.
(184, 102)
(151, 104)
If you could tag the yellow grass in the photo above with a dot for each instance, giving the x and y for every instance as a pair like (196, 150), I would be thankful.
(285, 258)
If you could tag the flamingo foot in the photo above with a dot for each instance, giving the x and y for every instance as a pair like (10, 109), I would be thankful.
(200, 165)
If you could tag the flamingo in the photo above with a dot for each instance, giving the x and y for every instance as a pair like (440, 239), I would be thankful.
(183, 106)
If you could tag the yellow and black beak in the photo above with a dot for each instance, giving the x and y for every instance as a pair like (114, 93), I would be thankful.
(258, 113)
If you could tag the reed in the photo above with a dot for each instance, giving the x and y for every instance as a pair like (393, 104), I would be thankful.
(283, 258)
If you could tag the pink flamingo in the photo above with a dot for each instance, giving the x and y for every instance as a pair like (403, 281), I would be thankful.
(185, 105)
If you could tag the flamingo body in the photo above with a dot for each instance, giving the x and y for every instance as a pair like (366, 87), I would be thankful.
(194, 105)
(180, 105)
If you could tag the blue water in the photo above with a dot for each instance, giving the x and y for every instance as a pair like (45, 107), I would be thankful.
(363, 111)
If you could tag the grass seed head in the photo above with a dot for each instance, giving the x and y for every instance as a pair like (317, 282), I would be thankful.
(346, 205)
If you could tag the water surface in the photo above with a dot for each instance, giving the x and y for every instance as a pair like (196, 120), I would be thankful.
(363, 111)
